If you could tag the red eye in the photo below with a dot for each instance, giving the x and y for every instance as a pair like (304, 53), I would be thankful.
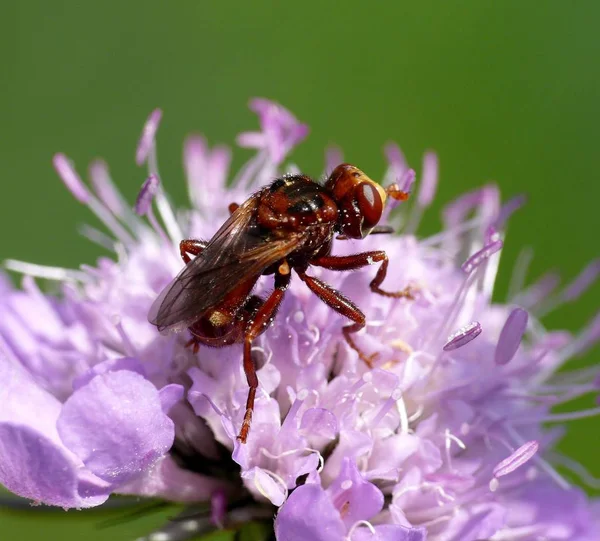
(369, 204)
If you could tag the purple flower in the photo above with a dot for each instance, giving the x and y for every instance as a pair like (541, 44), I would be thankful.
(444, 439)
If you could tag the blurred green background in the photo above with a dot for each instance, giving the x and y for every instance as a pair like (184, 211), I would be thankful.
(507, 91)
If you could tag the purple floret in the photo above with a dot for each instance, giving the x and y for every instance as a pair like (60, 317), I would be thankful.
(444, 439)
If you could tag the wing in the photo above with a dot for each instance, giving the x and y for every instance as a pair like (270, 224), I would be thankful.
(237, 252)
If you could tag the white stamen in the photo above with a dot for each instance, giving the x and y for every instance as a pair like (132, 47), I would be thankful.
(558, 417)
(435, 521)
(441, 494)
(106, 190)
(128, 346)
(416, 414)
(159, 536)
(587, 337)
(245, 175)
(488, 280)
(357, 525)
(168, 216)
(277, 479)
(291, 452)
(464, 227)
(97, 237)
(519, 274)
(42, 271)
(428, 184)
(333, 157)
(164, 208)
(521, 533)
(449, 438)
(453, 309)
(578, 469)
(404, 423)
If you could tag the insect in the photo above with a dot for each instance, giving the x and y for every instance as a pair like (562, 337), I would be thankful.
(287, 225)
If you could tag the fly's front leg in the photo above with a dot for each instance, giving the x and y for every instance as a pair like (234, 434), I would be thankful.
(261, 320)
(377, 230)
(357, 261)
(334, 299)
(190, 246)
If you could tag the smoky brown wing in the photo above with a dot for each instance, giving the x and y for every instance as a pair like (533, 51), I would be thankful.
(236, 253)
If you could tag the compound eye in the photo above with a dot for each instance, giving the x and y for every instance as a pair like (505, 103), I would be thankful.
(369, 204)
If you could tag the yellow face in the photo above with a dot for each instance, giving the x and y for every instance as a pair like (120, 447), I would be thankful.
(378, 187)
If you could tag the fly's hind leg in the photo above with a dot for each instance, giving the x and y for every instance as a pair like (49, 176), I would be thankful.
(260, 321)
(190, 246)
(334, 299)
(194, 246)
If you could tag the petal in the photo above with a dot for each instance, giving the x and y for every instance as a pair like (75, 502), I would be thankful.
(353, 496)
(391, 453)
(112, 365)
(309, 514)
(116, 426)
(169, 396)
(389, 532)
(34, 467)
(479, 521)
(168, 481)
(352, 444)
(319, 422)
(33, 461)
(264, 483)
(552, 509)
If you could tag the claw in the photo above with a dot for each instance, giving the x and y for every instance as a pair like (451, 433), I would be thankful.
(409, 292)
(194, 343)
(369, 360)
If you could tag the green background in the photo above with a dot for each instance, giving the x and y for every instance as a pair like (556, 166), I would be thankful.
(506, 91)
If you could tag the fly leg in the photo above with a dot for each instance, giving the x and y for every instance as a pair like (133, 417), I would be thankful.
(356, 261)
(194, 247)
(190, 246)
(377, 230)
(261, 320)
(334, 299)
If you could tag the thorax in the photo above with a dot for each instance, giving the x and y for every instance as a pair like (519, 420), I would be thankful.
(296, 202)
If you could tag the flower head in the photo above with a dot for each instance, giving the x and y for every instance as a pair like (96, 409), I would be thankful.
(443, 439)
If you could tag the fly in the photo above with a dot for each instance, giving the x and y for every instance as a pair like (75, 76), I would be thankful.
(287, 225)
